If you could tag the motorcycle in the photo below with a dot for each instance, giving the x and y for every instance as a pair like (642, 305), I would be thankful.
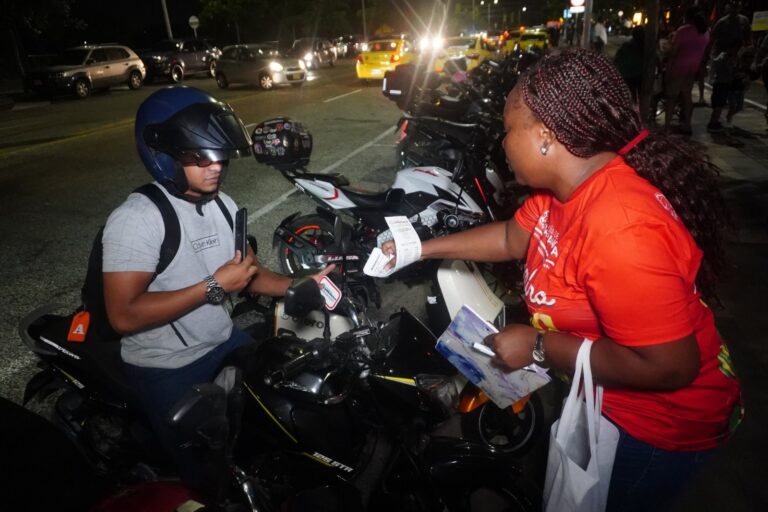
(429, 196)
(342, 418)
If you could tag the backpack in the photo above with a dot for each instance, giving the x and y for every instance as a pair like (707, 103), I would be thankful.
(96, 326)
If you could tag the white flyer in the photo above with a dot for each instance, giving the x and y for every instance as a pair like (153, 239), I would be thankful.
(374, 267)
(408, 247)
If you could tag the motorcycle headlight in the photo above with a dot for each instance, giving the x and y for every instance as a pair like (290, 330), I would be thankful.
(443, 389)
(275, 66)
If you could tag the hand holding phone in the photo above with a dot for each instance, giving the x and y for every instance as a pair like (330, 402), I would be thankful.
(241, 232)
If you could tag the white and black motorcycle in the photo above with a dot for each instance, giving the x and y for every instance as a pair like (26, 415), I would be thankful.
(429, 197)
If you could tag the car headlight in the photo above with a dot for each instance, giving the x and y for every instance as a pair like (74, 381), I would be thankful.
(308, 57)
(159, 58)
(61, 74)
(302, 65)
(275, 66)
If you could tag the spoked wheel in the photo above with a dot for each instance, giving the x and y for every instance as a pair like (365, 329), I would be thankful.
(504, 430)
(177, 74)
(266, 82)
(313, 228)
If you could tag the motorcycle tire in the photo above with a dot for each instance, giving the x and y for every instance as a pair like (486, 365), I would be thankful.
(502, 429)
(317, 230)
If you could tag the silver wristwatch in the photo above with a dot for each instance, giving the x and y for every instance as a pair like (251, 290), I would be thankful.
(538, 348)
(215, 294)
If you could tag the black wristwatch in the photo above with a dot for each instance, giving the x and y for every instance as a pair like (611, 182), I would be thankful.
(538, 349)
(215, 294)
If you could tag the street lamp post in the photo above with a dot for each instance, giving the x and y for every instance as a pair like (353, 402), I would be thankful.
(489, 9)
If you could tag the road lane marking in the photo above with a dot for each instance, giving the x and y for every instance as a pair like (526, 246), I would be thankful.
(280, 199)
(341, 96)
(86, 133)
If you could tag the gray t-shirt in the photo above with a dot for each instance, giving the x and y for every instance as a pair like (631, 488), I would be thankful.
(132, 238)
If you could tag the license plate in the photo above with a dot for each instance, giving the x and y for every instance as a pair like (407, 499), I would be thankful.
(294, 77)
(375, 71)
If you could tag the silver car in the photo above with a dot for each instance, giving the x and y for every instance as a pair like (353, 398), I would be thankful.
(82, 69)
(258, 64)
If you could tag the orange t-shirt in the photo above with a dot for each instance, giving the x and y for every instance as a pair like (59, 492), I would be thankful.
(615, 260)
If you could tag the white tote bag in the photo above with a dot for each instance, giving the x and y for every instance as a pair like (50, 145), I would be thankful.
(582, 446)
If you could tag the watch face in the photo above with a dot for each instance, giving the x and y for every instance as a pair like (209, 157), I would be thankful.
(538, 356)
(215, 295)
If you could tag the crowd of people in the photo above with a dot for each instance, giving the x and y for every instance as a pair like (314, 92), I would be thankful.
(726, 53)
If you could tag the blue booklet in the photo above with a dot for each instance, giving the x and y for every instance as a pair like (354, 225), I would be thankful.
(458, 344)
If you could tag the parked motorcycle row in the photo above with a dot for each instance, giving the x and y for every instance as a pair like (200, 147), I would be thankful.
(331, 410)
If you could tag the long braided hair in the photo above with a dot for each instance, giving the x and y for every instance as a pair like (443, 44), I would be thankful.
(580, 96)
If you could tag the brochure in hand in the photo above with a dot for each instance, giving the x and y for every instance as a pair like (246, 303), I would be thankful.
(459, 344)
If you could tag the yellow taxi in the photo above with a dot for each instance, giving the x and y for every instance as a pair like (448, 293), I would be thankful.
(511, 38)
(382, 55)
(534, 39)
(474, 49)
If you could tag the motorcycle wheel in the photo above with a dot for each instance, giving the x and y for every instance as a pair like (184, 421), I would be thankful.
(502, 429)
(314, 228)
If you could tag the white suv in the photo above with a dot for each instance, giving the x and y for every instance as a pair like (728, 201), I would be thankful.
(82, 69)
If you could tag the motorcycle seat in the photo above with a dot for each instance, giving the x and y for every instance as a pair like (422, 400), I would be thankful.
(376, 201)
(335, 179)
(93, 363)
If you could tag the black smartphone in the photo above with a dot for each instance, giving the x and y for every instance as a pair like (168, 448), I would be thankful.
(241, 232)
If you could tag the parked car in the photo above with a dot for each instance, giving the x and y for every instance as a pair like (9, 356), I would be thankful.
(382, 55)
(82, 69)
(176, 58)
(473, 49)
(259, 64)
(314, 51)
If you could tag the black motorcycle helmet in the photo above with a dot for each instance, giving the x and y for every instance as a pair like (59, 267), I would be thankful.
(282, 143)
(179, 125)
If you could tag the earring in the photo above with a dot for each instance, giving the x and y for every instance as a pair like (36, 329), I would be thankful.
(544, 150)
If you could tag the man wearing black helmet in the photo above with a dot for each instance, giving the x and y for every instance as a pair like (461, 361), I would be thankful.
(175, 326)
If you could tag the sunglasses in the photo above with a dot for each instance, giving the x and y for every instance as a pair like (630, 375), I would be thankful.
(188, 158)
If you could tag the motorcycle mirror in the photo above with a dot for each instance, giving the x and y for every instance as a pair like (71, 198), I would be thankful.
(303, 297)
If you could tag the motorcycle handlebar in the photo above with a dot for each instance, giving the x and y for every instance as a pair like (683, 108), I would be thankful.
(291, 367)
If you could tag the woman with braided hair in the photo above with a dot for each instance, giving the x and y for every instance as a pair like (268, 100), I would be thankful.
(621, 240)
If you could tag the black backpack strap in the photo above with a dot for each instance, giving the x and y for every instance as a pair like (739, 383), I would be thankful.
(172, 239)
(225, 212)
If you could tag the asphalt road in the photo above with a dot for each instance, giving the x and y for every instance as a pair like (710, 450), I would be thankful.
(64, 165)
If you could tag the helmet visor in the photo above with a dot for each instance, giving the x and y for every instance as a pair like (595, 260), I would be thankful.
(201, 133)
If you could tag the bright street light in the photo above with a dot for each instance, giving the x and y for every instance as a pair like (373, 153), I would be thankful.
(482, 2)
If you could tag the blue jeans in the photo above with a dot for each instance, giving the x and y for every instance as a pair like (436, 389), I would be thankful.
(160, 388)
(648, 479)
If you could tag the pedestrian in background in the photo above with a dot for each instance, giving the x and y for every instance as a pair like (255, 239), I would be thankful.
(599, 35)
(723, 75)
(629, 61)
(732, 30)
(688, 47)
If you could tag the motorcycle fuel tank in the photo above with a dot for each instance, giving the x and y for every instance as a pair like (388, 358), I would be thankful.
(307, 412)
